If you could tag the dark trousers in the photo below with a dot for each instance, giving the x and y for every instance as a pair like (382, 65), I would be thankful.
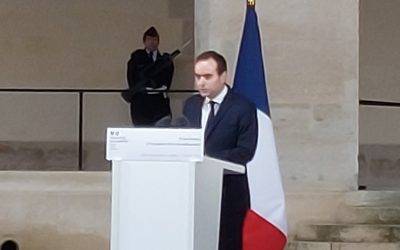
(235, 203)
(147, 109)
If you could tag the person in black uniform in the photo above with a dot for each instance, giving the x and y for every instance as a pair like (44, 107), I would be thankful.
(149, 76)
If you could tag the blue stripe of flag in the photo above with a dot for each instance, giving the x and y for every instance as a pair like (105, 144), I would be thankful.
(250, 77)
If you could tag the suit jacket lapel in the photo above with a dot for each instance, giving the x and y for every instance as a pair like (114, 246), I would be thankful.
(199, 105)
(222, 111)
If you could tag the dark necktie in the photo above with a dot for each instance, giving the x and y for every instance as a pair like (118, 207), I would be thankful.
(150, 54)
(211, 115)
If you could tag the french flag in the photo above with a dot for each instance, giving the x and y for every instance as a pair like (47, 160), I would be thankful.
(265, 226)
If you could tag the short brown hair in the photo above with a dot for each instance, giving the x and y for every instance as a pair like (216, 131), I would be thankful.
(218, 58)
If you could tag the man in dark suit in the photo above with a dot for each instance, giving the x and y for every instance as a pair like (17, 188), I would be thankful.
(149, 73)
(231, 132)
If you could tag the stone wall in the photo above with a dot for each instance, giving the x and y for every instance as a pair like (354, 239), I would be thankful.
(82, 44)
(55, 210)
(71, 46)
(379, 81)
(311, 54)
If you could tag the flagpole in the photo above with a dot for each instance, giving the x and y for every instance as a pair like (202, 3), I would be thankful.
(265, 225)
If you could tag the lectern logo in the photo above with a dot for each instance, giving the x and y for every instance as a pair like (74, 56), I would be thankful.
(116, 133)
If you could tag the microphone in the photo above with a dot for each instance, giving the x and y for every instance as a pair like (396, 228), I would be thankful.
(168, 122)
(180, 122)
(164, 122)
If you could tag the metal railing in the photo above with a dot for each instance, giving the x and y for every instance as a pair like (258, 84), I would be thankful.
(81, 93)
(379, 103)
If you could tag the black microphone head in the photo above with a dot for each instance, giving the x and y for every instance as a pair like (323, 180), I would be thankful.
(164, 122)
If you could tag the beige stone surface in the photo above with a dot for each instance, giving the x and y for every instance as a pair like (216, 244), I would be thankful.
(50, 209)
(310, 51)
(379, 53)
(77, 45)
(304, 245)
(365, 246)
(83, 44)
(309, 207)
(76, 205)
(55, 210)
(42, 156)
(373, 198)
(102, 110)
(333, 232)
(47, 117)
(379, 125)
(370, 215)
(39, 131)
(299, 245)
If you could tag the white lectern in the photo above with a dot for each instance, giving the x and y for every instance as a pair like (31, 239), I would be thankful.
(171, 202)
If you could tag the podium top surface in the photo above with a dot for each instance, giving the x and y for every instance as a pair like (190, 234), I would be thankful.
(155, 144)
(230, 168)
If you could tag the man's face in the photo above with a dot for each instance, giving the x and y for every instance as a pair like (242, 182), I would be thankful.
(151, 43)
(207, 80)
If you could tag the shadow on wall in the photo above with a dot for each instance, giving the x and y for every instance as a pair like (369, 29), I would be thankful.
(379, 167)
(38, 156)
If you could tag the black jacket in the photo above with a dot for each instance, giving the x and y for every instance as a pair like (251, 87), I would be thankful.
(144, 72)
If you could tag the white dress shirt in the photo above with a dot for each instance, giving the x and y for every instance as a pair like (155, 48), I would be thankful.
(153, 54)
(163, 87)
(205, 111)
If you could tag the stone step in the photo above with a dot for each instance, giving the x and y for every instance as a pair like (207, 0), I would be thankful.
(368, 215)
(365, 246)
(373, 198)
(328, 232)
(309, 245)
